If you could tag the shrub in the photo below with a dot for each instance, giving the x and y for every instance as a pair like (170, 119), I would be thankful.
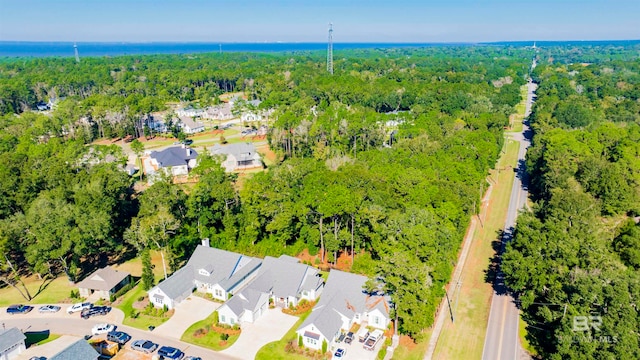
(75, 294)
(134, 314)
(123, 290)
(141, 298)
(224, 337)
(165, 308)
(236, 327)
(112, 298)
(317, 261)
(324, 346)
(300, 341)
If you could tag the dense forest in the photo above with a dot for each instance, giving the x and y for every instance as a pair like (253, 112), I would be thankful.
(399, 196)
(575, 260)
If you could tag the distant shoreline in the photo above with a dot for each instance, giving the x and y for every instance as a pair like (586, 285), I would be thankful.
(38, 49)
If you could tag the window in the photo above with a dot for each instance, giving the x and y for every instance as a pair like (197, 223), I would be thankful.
(232, 321)
(222, 318)
(305, 293)
(376, 320)
(311, 341)
(219, 293)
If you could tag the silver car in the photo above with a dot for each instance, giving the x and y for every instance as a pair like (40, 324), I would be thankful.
(146, 346)
(49, 309)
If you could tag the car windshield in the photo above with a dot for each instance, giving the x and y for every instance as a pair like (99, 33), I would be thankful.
(147, 344)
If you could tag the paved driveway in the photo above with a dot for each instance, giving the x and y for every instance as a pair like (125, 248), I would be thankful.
(188, 312)
(270, 327)
(356, 350)
(49, 349)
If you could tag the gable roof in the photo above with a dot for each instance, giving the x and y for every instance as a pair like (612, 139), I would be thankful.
(103, 279)
(10, 337)
(79, 350)
(246, 300)
(343, 295)
(174, 156)
(284, 277)
(225, 268)
(187, 121)
(241, 151)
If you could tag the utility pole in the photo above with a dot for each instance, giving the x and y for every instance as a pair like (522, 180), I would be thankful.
(75, 50)
(330, 50)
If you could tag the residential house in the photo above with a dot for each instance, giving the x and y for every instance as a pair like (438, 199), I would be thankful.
(217, 272)
(189, 111)
(239, 156)
(189, 126)
(106, 282)
(176, 161)
(245, 306)
(343, 303)
(251, 116)
(284, 280)
(42, 106)
(287, 281)
(155, 123)
(79, 350)
(11, 343)
(219, 112)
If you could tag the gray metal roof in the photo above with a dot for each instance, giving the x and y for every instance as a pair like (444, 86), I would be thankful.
(283, 277)
(247, 299)
(241, 151)
(226, 269)
(343, 294)
(187, 121)
(10, 337)
(79, 350)
(103, 279)
(179, 283)
(174, 156)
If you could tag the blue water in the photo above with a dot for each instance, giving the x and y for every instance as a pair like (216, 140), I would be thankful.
(65, 49)
(40, 49)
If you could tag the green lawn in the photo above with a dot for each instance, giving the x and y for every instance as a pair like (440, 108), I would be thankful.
(39, 338)
(413, 351)
(522, 333)
(275, 350)
(211, 339)
(142, 321)
(49, 292)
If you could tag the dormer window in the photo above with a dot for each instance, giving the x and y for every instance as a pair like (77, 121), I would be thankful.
(206, 271)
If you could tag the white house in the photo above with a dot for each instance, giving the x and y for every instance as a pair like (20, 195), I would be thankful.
(189, 126)
(244, 307)
(176, 161)
(238, 156)
(189, 111)
(219, 112)
(209, 270)
(11, 343)
(343, 303)
(251, 116)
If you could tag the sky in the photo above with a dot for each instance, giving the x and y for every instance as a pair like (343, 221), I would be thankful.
(307, 21)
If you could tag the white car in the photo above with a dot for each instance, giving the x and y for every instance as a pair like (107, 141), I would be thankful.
(102, 329)
(79, 307)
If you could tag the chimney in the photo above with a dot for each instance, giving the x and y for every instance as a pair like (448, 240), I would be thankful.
(205, 242)
(188, 151)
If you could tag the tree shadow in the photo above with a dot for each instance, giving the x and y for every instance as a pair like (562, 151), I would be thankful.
(493, 273)
(45, 283)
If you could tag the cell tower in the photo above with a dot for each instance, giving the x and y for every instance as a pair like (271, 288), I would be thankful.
(75, 49)
(330, 50)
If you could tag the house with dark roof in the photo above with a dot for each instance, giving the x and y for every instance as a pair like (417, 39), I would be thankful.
(175, 161)
(238, 156)
(79, 350)
(343, 303)
(284, 280)
(11, 343)
(105, 282)
(209, 270)
(190, 126)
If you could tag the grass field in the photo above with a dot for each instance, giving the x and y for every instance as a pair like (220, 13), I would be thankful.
(408, 350)
(142, 321)
(464, 339)
(211, 339)
(50, 292)
(275, 350)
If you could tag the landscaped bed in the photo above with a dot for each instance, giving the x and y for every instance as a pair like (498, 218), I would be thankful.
(206, 334)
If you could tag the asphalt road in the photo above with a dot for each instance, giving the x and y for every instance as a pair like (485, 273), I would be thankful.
(501, 341)
(66, 324)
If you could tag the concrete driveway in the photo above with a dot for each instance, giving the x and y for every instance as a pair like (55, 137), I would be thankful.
(270, 327)
(188, 312)
(356, 350)
(49, 349)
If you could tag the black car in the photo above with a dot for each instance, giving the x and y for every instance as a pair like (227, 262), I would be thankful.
(95, 310)
(119, 336)
(19, 309)
(187, 141)
(168, 352)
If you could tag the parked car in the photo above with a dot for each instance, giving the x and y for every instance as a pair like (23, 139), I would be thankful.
(119, 337)
(79, 307)
(37, 358)
(372, 340)
(363, 334)
(19, 309)
(339, 354)
(168, 352)
(95, 310)
(349, 338)
(103, 329)
(192, 358)
(146, 346)
(49, 309)
(187, 141)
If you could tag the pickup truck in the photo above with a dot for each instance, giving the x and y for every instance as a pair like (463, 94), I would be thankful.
(372, 340)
